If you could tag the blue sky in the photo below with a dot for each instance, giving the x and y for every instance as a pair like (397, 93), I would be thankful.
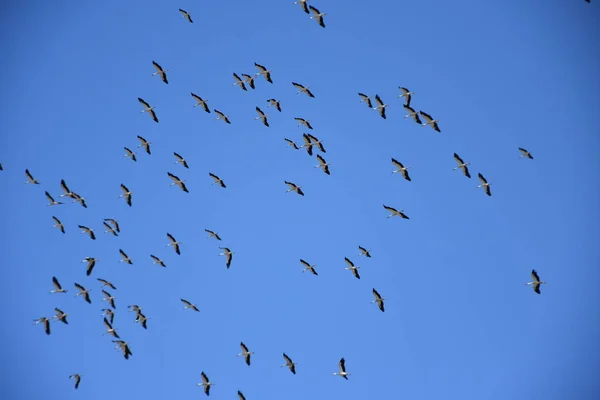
(459, 321)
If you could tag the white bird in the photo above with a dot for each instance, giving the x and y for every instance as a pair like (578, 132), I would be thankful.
(124, 347)
(351, 267)
(430, 121)
(160, 71)
(142, 320)
(342, 372)
(308, 267)
(180, 160)
(364, 252)
(292, 144)
(212, 234)
(216, 179)
(79, 199)
(91, 263)
(239, 81)
(114, 223)
(148, 109)
(46, 322)
(274, 103)
(30, 178)
(77, 378)
(57, 287)
(186, 15)
(412, 114)
(366, 99)
(104, 283)
(178, 182)
(249, 79)
(289, 363)
(294, 188)
(308, 144)
(110, 229)
(130, 154)
(125, 258)
(262, 116)
(401, 168)
(395, 212)
(89, 231)
(303, 4)
(109, 329)
(407, 94)
(66, 190)
(245, 353)
(379, 300)
(303, 89)
(51, 200)
(109, 297)
(205, 383)
(536, 283)
(228, 255)
(58, 224)
(323, 164)
(127, 194)
(222, 116)
(189, 305)
(83, 292)
(144, 143)
(156, 260)
(61, 316)
(174, 243)
(200, 102)
(380, 106)
(318, 16)
(302, 121)
(241, 395)
(462, 165)
(264, 72)
(316, 142)
(108, 313)
(484, 184)
(525, 153)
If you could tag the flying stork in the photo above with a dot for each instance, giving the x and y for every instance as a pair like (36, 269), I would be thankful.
(186, 15)
(124, 347)
(144, 143)
(127, 194)
(77, 378)
(109, 313)
(318, 16)
(302, 121)
(395, 212)
(160, 71)
(212, 234)
(342, 366)
(142, 320)
(364, 252)
(46, 322)
(216, 179)
(525, 153)
(61, 316)
(401, 168)
(125, 258)
(366, 99)
(303, 4)
(135, 308)
(189, 305)
(462, 165)
(109, 297)
(264, 72)
(156, 260)
(245, 353)
(148, 109)
(308, 267)
(303, 89)
(289, 363)
(79, 199)
(429, 121)
(249, 79)
(412, 114)
(294, 188)
(66, 190)
(292, 144)
(178, 182)
(180, 160)
(536, 283)
(407, 94)
(83, 292)
(205, 383)
(379, 300)
(274, 103)
(110, 229)
(104, 283)
(30, 178)
(380, 106)
(91, 263)
(308, 144)
(89, 231)
(317, 142)
(51, 200)
(114, 223)
(262, 116)
(484, 184)
(323, 164)
(239, 81)
(58, 224)
(57, 287)
(241, 395)
(130, 154)
(174, 243)
(351, 267)
(228, 255)
(222, 116)
(200, 102)
(110, 330)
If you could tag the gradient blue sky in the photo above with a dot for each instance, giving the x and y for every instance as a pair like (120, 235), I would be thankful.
(459, 324)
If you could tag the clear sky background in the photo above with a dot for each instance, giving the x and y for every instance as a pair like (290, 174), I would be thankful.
(459, 321)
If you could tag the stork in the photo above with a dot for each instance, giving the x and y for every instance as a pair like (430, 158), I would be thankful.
(57, 287)
(160, 71)
(525, 153)
(351, 267)
(91, 263)
(536, 283)
(174, 243)
(83, 292)
(342, 367)
(124, 347)
(125, 258)
(58, 224)
(30, 178)
(142, 320)
(308, 267)
(144, 143)
(51, 200)
(114, 223)
(302, 121)
(178, 182)
(462, 165)
(110, 229)
(77, 378)
(180, 160)
(61, 316)
(89, 231)
(212, 234)
(303, 4)
(274, 103)
(262, 116)
(364, 252)
(412, 114)
(80, 200)
(205, 383)
(317, 142)
(395, 212)
(294, 188)
(323, 164)
(366, 99)
(317, 15)
(239, 81)
(484, 184)
(110, 330)
(429, 121)
(289, 363)
(127, 194)
(222, 116)
(303, 89)
(407, 94)
(241, 396)
(135, 308)
(156, 260)
(245, 353)
(380, 106)
(401, 168)
(264, 72)
(228, 255)
(308, 144)
(249, 79)
(66, 190)
(379, 300)
(216, 179)
(130, 154)
(104, 283)
(186, 15)
(46, 322)
(200, 102)
(148, 109)
(189, 305)
(291, 143)
(110, 313)
(109, 297)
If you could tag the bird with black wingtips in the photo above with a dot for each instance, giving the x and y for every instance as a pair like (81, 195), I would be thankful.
(324, 165)
(395, 212)
(412, 114)
(303, 89)
(317, 15)
(462, 165)
(217, 180)
(308, 267)
(186, 15)
(245, 353)
(174, 243)
(379, 300)
(91, 263)
(148, 109)
(484, 184)
(407, 94)
(160, 71)
(381, 106)
(239, 81)
(525, 153)
(57, 287)
(365, 99)
(429, 121)
(262, 116)
(83, 292)
(262, 70)
(46, 322)
(178, 182)
(126, 194)
(228, 256)
(189, 305)
(200, 102)
(145, 144)
(51, 200)
(58, 224)
(222, 116)
(289, 363)
(130, 154)
(294, 188)
(352, 268)
(249, 79)
(274, 103)
(30, 179)
(536, 282)
(302, 121)
(180, 160)
(89, 231)
(401, 168)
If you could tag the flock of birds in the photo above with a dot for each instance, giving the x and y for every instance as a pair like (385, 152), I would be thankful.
(310, 143)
